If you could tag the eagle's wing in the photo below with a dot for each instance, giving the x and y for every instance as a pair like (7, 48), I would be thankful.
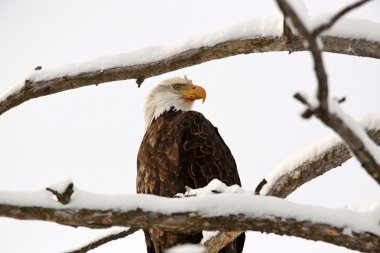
(182, 149)
(204, 154)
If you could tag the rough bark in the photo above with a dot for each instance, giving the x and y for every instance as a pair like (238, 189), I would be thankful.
(30, 90)
(221, 240)
(187, 222)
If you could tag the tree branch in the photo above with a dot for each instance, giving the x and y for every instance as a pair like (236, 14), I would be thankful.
(278, 216)
(221, 240)
(324, 110)
(34, 89)
(330, 159)
(104, 240)
(313, 167)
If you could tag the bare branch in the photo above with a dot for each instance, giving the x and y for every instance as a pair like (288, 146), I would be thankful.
(313, 48)
(30, 90)
(330, 119)
(192, 221)
(318, 30)
(104, 240)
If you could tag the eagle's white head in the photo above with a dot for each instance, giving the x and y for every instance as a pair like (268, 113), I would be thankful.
(177, 93)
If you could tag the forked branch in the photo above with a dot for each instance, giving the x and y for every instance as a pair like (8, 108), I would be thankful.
(327, 109)
(337, 154)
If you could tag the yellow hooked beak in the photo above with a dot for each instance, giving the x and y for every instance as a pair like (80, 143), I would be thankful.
(194, 92)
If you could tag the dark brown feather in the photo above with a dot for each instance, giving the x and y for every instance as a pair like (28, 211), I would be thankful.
(182, 149)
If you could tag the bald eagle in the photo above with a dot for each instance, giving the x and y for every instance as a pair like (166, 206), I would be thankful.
(180, 148)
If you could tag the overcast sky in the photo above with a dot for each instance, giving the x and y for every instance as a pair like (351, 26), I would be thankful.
(92, 134)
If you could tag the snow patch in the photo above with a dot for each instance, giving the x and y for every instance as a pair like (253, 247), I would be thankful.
(187, 248)
(347, 231)
(214, 187)
(207, 235)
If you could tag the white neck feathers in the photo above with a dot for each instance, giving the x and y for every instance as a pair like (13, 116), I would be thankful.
(160, 100)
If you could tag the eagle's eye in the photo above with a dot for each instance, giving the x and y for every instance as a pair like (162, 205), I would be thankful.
(176, 86)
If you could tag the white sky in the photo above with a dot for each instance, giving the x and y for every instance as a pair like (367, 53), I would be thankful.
(92, 134)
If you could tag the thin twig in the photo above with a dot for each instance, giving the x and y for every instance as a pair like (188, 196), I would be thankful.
(321, 28)
(260, 186)
(104, 240)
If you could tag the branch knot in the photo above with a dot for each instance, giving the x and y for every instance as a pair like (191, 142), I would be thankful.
(65, 196)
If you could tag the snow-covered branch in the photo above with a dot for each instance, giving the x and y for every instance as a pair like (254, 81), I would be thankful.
(352, 37)
(314, 161)
(354, 229)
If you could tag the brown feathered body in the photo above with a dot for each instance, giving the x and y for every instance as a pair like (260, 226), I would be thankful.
(182, 149)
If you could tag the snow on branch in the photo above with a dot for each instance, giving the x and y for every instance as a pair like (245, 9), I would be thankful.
(349, 36)
(187, 248)
(327, 109)
(355, 229)
(315, 160)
